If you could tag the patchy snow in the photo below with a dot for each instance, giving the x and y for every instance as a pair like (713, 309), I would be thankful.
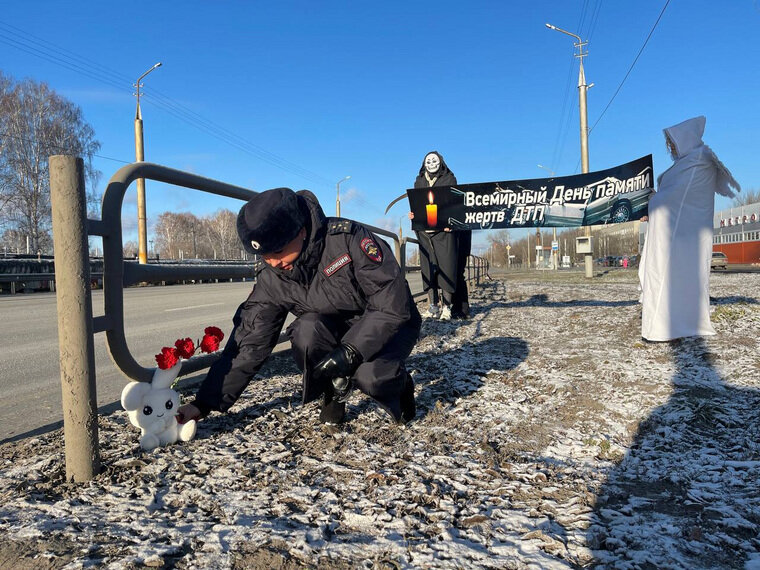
(548, 435)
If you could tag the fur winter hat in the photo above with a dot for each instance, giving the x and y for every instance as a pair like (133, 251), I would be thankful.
(270, 220)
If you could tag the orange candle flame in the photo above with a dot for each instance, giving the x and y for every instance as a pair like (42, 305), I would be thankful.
(432, 211)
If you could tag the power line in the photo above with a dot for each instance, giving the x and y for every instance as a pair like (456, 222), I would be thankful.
(631, 68)
(58, 147)
(567, 113)
(40, 48)
(594, 19)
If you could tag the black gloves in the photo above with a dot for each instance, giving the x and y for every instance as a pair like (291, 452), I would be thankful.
(338, 367)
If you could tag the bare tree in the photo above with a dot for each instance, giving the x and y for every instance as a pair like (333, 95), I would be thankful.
(13, 241)
(5, 143)
(130, 249)
(221, 228)
(498, 249)
(745, 197)
(35, 123)
(177, 235)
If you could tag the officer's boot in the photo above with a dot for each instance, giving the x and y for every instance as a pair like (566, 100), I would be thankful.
(334, 403)
(332, 411)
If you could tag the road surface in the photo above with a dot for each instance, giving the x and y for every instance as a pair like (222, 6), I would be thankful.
(154, 317)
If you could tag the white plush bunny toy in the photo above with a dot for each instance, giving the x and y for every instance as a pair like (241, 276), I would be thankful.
(153, 407)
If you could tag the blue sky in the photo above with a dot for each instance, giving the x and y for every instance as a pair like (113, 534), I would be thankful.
(315, 91)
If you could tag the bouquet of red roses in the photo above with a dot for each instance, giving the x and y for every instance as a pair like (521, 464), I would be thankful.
(185, 348)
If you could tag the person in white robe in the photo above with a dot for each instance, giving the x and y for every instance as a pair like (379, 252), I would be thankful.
(674, 273)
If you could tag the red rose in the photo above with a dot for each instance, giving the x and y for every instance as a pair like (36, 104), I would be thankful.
(167, 358)
(210, 343)
(214, 331)
(185, 347)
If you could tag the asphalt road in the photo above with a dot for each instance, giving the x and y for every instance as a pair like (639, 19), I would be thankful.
(30, 385)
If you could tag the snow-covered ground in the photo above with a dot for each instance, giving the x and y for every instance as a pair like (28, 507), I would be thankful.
(548, 435)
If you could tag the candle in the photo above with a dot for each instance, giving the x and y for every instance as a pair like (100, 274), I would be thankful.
(432, 211)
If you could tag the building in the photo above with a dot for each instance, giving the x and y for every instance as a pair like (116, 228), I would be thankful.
(736, 232)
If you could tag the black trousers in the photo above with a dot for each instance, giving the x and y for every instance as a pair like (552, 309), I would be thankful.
(382, 377)
(461, 304)
(438, 264)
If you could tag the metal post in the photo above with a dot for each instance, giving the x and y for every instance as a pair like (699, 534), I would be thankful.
(337, 195)
(582, 89)
(555, 252)
(75, 331)
(142, 229)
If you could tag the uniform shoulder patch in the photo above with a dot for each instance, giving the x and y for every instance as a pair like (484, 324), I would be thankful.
(371, 250)
(340, 226)
(336, 264)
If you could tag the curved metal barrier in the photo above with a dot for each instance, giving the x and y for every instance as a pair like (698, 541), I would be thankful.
(117, 274)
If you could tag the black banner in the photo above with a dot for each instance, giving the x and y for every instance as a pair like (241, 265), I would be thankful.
(615, 195)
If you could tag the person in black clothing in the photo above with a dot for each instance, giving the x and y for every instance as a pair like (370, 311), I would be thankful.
(356, 321)
(460, 306)
(443, 254)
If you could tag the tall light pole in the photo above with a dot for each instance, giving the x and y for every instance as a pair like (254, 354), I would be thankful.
(337, 196)
(582, 89)
(555, 253)
(142, 230)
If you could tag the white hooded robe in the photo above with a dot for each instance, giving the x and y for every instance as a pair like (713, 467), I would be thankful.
(674, 272)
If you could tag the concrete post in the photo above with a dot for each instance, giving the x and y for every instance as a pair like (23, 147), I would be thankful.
(75, 336)
(142, 226)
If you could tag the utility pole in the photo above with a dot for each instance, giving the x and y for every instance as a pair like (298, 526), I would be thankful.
(142, 229)
(337, 196)
(583, 111)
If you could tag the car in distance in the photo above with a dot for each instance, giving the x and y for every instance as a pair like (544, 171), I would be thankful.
(719, 260)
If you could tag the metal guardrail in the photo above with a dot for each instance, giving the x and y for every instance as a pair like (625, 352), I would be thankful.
(117, 274)
(22, 279)
(477, 267)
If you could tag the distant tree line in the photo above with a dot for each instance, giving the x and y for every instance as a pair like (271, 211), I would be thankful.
(186, 236)
(622, 242)
(35, 123)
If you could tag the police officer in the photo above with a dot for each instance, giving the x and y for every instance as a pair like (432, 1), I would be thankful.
(356, 321)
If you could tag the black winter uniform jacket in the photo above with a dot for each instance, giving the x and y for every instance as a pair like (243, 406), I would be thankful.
(344, 272)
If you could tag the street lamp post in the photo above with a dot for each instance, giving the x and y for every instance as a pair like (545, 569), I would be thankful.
(337, 195)
(142, 231)
(583, 111)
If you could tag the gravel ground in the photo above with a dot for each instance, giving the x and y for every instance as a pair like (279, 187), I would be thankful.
(548, 435)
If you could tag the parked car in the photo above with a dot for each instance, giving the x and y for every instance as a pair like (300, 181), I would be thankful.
(719, 260)
(614, 209)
